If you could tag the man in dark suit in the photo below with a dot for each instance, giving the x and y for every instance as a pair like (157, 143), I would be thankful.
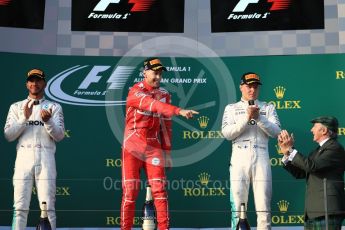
(324, 166)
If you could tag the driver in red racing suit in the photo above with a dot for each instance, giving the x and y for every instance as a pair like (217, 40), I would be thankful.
(147, 142)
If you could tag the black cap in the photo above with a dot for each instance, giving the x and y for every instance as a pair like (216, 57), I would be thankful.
(153, 64)
(330, 122)
(250, 78)
(36, 73)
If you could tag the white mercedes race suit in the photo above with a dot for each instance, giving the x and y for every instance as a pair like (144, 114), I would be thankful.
(35, 157)
(250, 158)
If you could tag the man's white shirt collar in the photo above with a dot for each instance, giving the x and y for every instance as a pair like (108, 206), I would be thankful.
(323, 142)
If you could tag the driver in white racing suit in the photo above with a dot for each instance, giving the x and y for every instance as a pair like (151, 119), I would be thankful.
(37, 124)
(249, 128)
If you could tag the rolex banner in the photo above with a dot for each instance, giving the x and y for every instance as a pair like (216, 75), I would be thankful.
(262, 15)
(22, 13)
(128, 15)
(92, 92)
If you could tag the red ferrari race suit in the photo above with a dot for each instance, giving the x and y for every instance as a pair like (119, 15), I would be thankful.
(147, 137)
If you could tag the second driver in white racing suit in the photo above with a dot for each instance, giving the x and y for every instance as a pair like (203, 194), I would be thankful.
(249, 128)
(37, 124)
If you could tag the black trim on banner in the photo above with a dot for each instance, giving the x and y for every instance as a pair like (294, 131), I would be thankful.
(22, 13)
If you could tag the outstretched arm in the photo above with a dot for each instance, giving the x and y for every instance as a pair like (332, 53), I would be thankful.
(141, 100)
(187, 113)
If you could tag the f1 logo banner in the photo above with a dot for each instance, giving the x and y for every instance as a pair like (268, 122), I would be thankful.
(22, 13)
(262, 15)
(128, 15)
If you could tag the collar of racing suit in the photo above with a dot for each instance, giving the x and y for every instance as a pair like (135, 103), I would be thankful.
(37, 101)
(246, 101)
(147, 86)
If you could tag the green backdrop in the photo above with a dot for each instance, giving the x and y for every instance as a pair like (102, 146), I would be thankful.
(92, 91)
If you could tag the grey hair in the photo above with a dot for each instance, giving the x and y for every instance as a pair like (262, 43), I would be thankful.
(332, 134)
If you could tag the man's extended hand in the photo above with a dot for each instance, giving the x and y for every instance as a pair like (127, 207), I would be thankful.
(187, 113)
(28, 109)
(46, 115)
(253, 112)
(285, 141)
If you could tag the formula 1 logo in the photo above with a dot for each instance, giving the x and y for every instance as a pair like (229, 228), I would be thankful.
(280, 4)
(93, 84)
(103, 5)
(276, 4)
(128, 15)
(139, 5)
(243, 5)
(266, 15)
